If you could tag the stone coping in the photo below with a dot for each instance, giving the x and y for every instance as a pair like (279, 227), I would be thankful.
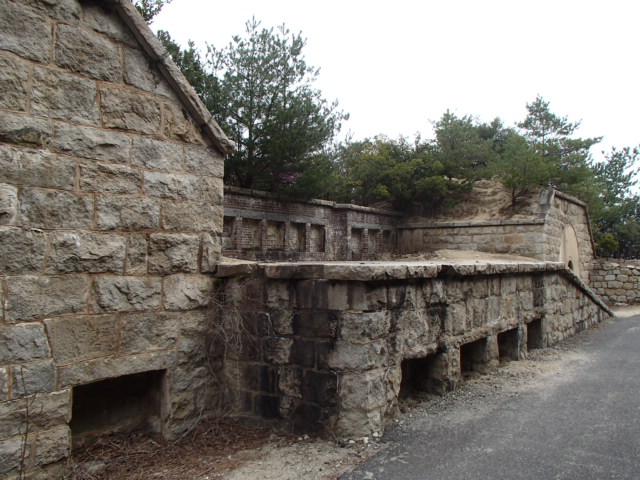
(380, 270)
(466, 224)
(161, 58)
(397, 270)
(315, 201)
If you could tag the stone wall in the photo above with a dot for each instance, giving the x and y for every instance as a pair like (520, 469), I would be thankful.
(616, 281)
(110, 222)
(263, 226)
(330, 348)
(559, 232)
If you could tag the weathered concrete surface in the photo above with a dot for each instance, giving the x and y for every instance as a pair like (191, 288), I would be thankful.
(581, 423)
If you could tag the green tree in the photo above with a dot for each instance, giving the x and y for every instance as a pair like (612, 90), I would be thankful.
(462, 147)
(150, 8)
(551, 136)
(519, 167)
(193, 68)
(266, 103)
(615, 210)
(405, 174)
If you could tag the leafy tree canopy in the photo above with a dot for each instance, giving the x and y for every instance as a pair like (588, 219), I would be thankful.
(150, 8)
(266, 103)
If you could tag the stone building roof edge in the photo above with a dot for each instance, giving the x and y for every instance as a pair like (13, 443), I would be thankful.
(187, 95)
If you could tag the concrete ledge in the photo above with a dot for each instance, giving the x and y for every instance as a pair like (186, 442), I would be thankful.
(367, 271)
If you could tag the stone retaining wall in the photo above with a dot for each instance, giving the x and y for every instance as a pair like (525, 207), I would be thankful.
(616, 281)
(325, 347)
(561, 232)
(110, 223)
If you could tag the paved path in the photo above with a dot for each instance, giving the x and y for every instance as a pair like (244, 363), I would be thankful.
(583, 423)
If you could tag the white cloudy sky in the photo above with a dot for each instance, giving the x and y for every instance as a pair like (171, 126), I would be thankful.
(395, 65)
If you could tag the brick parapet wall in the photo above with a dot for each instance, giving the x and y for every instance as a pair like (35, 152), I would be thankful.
(110, 223)
(616, 281)
(317, 229)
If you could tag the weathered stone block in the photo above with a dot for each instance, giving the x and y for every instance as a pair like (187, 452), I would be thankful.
(173, 253)
(178, 125)
(353, 356)
(365, 326)
(95, 16)
(148, 332)
(192, 217)
(101, 368)
(14, 79)
(364, 390)
(93, 143)
(52, 445)
(64, 96)
(187, 292)
(290, 381)
(358, 423)
(22, 343)
(99, 177)
(30, 297)
(79, 338)
(24, 32)
(137, 253)
(21, 251)
(85, 52)
(126, 294)
(138, 72)
(276, 350)
(45, 412)
(120, 212)
(24, 129)
(86, 252)
(183, 187)
(338, 296)
(37, 168)
(211, 252)
(203, 160)
(53, 209)
(313, 324)
(58, 9)
(11, 450)
(158, 154)
(34, 377)
(128, 110)
(4, 391)
(320, 388)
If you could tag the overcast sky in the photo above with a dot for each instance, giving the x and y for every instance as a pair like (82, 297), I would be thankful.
(397, 65)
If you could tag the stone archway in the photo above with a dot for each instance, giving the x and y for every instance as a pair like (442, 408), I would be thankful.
(569, 251)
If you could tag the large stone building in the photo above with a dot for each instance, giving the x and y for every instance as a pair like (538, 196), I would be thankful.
(110, 225)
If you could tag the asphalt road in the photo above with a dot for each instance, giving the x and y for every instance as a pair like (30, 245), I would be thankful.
(581, 423)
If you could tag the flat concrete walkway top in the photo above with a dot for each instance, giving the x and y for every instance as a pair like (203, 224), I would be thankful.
(580, 422)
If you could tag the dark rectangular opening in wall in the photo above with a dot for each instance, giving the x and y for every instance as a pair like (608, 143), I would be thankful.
(316, 240)
(473, 357)
(421, 375)
(297, 237)
(535, 336)
(126, 404)
(509, 345)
